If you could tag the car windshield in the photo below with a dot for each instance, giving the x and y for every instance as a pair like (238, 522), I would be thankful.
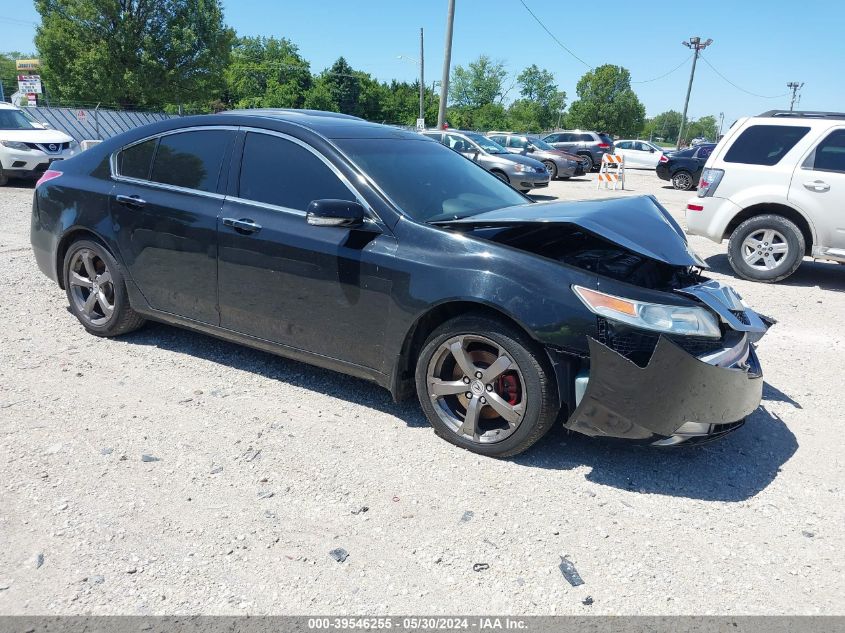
(14, 120)
(540, 144)
(489, 146)
(428, 181)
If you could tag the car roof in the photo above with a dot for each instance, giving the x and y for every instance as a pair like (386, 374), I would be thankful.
(8, 106)
(332, 125)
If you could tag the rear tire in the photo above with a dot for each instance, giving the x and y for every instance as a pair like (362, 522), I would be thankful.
(682, 180)
(514, 404)
(767, 248)
(96, 290)
(4, 180)
(589, 165)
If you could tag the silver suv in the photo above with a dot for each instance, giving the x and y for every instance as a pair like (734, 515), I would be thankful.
(592, 145)
(559, 164)
(521, 172)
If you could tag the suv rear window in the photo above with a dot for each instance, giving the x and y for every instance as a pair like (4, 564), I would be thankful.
(764, 144)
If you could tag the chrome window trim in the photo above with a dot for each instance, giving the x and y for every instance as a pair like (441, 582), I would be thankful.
(340, 175)
(160, 185)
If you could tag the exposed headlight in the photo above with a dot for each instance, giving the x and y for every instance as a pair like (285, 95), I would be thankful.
(523, 169)
(688, 321)
(15, 145)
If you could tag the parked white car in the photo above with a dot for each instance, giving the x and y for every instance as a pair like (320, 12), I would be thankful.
(638, 154)
(774, 187)
(27, 148)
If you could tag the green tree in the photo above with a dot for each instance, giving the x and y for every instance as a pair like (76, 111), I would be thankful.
(343, 85)
(541, 104)
(266, 73)
(480, 83)
(606, 102)
(140, 53)
(666, 125)
(705, 127)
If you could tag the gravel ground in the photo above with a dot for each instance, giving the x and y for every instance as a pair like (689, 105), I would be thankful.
(258, 467)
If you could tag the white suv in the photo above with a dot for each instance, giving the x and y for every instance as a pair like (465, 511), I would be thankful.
(27, 148)
(775, 188)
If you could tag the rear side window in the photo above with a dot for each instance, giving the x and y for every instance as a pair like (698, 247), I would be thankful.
(588, 138)
(764, 144)
(279, 172)
(134, 161)
(830, 153)
(606, 139)
(625, 145)
(191, 159)
(499, 138)
(704, 152)
(517, 142)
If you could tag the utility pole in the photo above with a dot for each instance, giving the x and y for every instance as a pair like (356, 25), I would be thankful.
(697, 45)
(794, 86)
(447, 62)
(422, 76)
(721, 120)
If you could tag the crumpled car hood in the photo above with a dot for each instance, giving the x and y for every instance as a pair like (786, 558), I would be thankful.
(639, 224)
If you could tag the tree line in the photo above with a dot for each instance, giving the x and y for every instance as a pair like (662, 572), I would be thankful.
(179, 55)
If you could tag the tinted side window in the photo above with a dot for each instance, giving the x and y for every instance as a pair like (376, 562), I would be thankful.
(499, 138)
(704, 152)
(625, 145)
(553, 138)
(191, 159)
(587, 138)
(279, 172)
(830, 154)
(764, 144)
(517, 142)
(134, 162)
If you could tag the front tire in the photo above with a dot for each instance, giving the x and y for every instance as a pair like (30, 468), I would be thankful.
(551, 168)
(485, 386)
(96, 290)
(4, 179)
(588, 163)
(766, 248)
(682, 180)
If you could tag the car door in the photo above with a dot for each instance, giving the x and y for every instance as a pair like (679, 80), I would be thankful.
(626, 150)
(323, 289)
(646, 155)
(165, 204)
(818, 188)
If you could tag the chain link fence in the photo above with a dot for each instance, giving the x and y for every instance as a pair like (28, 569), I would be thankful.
(94, 123)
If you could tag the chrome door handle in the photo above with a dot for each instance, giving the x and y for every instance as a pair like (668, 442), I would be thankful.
(244, 225)
(819, 186)
(130, 201)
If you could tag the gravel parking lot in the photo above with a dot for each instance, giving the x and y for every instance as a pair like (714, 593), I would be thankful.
(257, 467)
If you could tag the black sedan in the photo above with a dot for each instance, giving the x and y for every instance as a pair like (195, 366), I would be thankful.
(684, 167)
(380, 253)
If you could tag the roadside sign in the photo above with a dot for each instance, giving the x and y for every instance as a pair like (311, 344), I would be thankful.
(24, 65)
(29, 83)
(31, 99)
(420, 124)
(81, 116)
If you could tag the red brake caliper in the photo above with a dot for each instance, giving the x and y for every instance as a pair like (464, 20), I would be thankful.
(507, 386)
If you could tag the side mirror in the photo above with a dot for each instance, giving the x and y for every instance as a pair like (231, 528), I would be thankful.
(651, 149)
(332, 212)
(475, 156)
(529, 149)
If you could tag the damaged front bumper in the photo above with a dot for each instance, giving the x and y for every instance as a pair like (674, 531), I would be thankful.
(679, 395)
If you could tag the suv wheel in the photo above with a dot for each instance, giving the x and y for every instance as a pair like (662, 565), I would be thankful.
(682, 180)
(766, 248)
(96, 292)
(4, 180)
(484, 386)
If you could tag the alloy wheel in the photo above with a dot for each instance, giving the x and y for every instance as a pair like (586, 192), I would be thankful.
(91, 287)
(476, 388)
(765, 249)
(682, 181)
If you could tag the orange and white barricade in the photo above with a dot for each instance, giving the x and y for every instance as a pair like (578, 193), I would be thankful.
(612, 170)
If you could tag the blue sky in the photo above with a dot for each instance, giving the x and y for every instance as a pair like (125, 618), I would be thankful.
(759, 46)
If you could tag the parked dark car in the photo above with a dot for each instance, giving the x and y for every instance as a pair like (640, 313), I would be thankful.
(383, 254)
(684, 167)
(590, 145)
(558, 163)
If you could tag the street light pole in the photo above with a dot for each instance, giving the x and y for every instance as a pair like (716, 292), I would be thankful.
(697, 45)
(721, 121)
(422, 76)
(447, 62)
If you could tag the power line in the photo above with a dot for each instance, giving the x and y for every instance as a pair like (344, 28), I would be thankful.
(645, 81)
(552, 35)
(18, 21)
(753, 94)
